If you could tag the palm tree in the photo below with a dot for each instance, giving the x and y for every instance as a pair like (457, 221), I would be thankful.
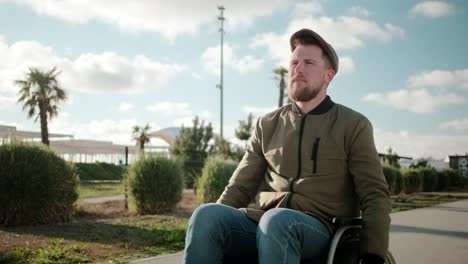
(140, 134)
(280, 74)
(41, 93)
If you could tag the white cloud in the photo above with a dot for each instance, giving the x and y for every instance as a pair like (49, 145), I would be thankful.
(415, 100)
(187, 121)
(417, 145)
(427, 92)
(125, 107)
(359, 11)
(170, 108)
(346, 65)
(432, 9)
(170, 18)
(307, 8)
(440, 79)
(257, 111)
(117, 131)
(104, 72)
(197, 76)
(211, 60)
(342, 32)
(457, 124)
(7, 101)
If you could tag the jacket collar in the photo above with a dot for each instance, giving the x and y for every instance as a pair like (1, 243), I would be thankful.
(322, 108)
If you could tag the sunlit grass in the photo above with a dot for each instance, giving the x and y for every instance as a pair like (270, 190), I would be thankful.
(90, 190)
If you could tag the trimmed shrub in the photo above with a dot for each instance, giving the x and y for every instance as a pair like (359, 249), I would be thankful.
(36, 185)
(443, 180)
(99, 171)
(399, 183)
(428, 179)
(412, 181)
(215, 176)
(454, 179)
(155, 184)
(389, 173)
(394, 179)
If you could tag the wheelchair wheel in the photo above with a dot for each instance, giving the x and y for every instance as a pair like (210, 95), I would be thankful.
(347, 251)
(390, 259)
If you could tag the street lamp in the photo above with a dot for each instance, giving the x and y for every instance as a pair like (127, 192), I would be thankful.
(220, 85)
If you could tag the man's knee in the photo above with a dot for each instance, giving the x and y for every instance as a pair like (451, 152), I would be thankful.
(206, 213)
(275, 219)
(212, 215)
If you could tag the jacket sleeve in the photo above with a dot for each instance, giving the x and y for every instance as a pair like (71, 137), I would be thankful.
(372, 190)
(244, 182)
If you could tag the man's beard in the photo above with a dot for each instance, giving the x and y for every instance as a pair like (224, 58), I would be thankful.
(303, 93)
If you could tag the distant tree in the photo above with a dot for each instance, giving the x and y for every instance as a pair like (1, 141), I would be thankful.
(244, 131)
(40, 93)
(421, 163)
(392, 158)
(222, 148)
(281, 73)
(141, 136)
(191, 147)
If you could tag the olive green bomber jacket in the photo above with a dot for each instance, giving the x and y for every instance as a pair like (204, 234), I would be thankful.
(323, 163)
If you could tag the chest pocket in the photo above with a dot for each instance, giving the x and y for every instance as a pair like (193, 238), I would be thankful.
(326, 158)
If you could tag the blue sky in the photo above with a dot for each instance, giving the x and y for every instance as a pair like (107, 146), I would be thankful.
(403, 64)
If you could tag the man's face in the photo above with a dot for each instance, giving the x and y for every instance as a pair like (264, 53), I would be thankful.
(309, 73)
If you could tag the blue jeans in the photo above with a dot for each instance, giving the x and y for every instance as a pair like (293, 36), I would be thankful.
(282, 236)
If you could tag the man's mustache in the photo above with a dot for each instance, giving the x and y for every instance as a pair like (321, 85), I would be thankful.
(298, 77)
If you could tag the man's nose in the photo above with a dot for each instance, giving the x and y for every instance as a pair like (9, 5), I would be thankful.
(299, 67)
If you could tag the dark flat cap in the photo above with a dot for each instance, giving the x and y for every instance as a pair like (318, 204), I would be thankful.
(308, 37)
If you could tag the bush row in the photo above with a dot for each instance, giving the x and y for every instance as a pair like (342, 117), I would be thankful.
(98, 171)
(421, 180)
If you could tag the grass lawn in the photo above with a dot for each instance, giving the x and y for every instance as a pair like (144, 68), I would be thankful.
(91, 190)
(85, 241)
(99, 233)
(404, 202)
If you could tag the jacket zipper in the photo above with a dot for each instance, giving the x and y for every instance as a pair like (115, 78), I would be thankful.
(314, 154)
(299, 162)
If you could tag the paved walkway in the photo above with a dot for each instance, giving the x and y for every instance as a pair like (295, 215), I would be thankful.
(436, 234)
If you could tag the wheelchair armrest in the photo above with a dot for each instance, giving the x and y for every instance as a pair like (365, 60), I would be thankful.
(346, 221)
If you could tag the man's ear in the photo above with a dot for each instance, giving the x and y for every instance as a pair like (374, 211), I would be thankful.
(330, 75)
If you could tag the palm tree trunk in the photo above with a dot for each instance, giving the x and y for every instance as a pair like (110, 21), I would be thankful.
(282, 86)
(44, 129)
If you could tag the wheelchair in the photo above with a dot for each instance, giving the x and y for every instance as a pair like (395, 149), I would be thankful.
(344, 247)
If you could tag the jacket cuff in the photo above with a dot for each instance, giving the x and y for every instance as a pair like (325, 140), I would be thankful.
(370, 258)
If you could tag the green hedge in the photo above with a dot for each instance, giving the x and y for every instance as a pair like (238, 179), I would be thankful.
(155, 184)
(99, 171)
(454, 179)
(429, 179)
(443, 180)
(394, 179)
(36, 185)
(215, 176)
(412, 181)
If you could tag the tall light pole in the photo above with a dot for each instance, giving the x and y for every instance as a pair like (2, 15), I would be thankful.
(220, 85)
